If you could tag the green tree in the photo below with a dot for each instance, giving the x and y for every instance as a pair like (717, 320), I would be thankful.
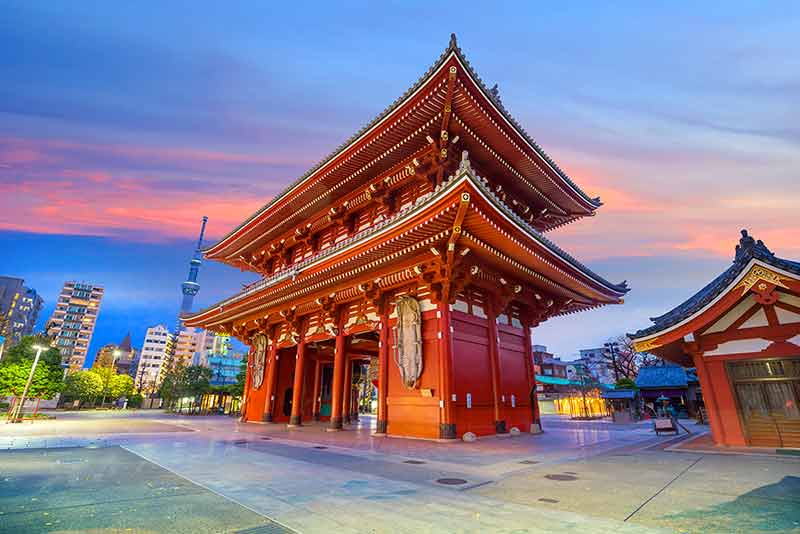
(24, 351)
(135, 400)
(83, 386)
(15, 368)
(196, 382)
(625, 383)
(13, 377)
(171, 385)
(237, 389)
(106, 375)
(121, 386)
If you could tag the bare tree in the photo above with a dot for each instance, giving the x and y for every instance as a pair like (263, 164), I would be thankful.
(625, 360)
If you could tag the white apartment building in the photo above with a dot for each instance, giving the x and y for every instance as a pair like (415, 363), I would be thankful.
(72, 324)
(598, 364)
(151, 358)
(193, 347)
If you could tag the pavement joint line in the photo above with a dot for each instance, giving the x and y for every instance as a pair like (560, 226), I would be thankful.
(231, 499)
(656, 494)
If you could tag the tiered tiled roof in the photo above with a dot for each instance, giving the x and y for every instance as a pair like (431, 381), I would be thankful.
(747, 250)
(590, 204)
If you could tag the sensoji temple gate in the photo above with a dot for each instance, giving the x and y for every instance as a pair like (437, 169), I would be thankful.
(417, 247)
(742, 332)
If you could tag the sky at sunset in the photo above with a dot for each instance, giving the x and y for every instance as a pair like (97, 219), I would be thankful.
(122, 124)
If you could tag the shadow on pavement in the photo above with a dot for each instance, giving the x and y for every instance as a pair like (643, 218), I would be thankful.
(770, 508)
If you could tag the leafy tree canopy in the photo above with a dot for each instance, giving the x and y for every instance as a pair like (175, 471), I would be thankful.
(24, 351)
(121, 386)
(237, 389)
(14, 375)
(83, 385)
(625, 383)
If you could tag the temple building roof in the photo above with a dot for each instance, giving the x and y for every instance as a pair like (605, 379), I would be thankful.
(662, 376)
(551, 267)
(376, 146)
(755, 269)
(747, 252)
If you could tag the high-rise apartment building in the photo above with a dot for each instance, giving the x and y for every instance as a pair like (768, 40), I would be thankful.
(72, 324)
(19, 309)
(151, 358)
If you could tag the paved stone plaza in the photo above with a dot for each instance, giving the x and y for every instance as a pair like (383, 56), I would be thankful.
(153, 472)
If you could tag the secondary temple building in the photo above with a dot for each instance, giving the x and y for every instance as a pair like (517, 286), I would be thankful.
(417, 246)
(742, 333)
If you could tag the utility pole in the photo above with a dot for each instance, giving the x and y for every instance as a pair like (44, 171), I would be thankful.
(611, 348)
(17, 416)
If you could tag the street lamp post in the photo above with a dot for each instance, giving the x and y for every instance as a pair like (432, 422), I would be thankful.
(17, 417)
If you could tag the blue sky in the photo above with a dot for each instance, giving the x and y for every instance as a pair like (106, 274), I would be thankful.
(122, 124)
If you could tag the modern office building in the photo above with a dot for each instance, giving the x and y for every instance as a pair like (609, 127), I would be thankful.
(225, 368)
(209, 345)
(19, 309)
(72, 324)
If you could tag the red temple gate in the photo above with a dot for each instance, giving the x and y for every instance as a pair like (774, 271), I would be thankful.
(440, 203)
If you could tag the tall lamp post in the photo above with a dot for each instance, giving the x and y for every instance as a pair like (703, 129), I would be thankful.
(17, 417)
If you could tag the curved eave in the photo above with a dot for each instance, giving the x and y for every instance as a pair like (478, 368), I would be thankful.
(443, 195)
(662, 335)
(560, 179)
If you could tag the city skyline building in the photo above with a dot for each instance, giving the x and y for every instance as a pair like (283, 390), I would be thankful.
(190, 287)
(122, 356)
(19, 309)
(225, 368)
(595, 361)
(151, 358)
(181, 345)
(72, 323)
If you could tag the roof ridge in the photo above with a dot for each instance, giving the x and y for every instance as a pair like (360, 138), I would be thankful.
(747, 250)
(452, 48)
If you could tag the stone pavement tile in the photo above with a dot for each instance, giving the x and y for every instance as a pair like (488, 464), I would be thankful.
(737, 475)
(605, 486)
(108, 490)
(184, 514)
(321, 498)
(695, 510)
(33, 480)
(91, 426)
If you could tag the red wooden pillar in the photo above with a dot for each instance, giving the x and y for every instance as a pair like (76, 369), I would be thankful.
(272, 376)
(296, 419)
(710, 400)
(447, 425)
(383, 373)
(529, 371)
(317, 386)
(494, 367)
(338, 381)
(348, 391)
